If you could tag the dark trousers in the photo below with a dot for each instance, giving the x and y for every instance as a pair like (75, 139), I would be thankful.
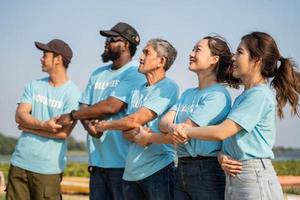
(106, 183)
(158, 186)
(26, 185)
(199, 179)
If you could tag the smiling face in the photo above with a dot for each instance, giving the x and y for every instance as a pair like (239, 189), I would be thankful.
(201, 57)
(243, 65)
(149, 60)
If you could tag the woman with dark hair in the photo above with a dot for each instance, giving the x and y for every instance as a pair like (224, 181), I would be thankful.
(199, 175)
(249, 129)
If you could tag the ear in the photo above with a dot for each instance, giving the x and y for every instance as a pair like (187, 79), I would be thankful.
(59, 60)
(162, 62)
(214, 59)
(257, 62)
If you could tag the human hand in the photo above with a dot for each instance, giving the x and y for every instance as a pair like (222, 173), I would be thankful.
(229, 165)
(179, 134)
(91, 129)
(51, 125)
(65, 119)
(100, 125)
(143, 137)
(130, 134)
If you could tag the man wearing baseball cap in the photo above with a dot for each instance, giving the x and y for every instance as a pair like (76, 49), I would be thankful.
(106, 97)
(40, 154)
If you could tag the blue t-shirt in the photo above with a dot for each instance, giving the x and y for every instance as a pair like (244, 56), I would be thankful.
(110, 150)
(40, 154)
(141, 161)
(204, 107)
(255, 111)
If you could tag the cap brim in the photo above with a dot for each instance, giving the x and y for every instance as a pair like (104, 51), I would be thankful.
(42, 47)
(109, 33)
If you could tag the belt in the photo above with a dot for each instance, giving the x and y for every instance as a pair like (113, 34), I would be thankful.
(190, 158)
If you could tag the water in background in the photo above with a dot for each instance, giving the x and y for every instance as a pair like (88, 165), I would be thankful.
(83, 158)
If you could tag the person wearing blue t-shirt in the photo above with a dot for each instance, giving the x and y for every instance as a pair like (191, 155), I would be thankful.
(39, 158)
(149, 169)
(249, 130)
(207, 104)
(106, 97)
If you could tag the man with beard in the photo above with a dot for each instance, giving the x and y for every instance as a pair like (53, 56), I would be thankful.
(106, 97)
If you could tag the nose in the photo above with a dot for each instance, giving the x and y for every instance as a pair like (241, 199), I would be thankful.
(192, 54)
(234, 57)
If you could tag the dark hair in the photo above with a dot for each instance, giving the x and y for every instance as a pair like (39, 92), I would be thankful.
(261, 45)
(132, 48)
(64, 60)
(165, 49)
(219, 47)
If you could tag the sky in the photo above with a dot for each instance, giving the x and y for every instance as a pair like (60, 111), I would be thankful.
(183, 23)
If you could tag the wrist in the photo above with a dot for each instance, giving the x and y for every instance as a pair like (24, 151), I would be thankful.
(72, 115)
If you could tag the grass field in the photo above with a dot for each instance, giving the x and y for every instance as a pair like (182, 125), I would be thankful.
(283, 168)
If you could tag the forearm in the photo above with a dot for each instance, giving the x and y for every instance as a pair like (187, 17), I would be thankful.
(47, 134)
(99, 110)
(123, 124)
(164, 126)
(161, 138)
(211, 133)
(26, 120)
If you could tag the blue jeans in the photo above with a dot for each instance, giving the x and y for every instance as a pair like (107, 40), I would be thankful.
(158, 186)
(106, 183)
(199, 179)
(257, 180)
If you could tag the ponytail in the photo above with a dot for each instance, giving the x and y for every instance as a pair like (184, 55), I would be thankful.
(286, 82)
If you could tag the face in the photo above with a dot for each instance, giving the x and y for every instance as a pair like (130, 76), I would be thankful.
(48, 61)
(149, 60)
(200, 57)
(243, 65)
(113, 48)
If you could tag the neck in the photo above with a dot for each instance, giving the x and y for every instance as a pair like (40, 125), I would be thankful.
(58, 77)
(254, 80)
(206, 79)
(155, 76)
(123, 60)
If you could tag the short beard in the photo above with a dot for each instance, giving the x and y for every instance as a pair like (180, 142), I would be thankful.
(111, 56)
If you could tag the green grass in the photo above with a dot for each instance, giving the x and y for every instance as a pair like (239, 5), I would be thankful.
(287, 168)
(283, 168)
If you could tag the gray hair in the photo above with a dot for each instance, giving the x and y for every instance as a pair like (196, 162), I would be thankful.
(164, 49)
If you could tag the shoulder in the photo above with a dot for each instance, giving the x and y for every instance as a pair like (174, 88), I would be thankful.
(100, 69)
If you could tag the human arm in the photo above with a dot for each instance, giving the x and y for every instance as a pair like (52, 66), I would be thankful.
(61, 133)
(24, 118)
(139, 118)
(229, 165)
(217, 132)
(109, 106)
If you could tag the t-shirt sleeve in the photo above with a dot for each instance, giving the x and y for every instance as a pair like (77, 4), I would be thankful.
(27, 96)
(178, 102)
(72, 102)
(250, 110)
(162, 98)
(212, 110)
(130, 80)
(86, 97)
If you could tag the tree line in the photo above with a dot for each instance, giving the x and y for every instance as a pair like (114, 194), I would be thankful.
(7, 144)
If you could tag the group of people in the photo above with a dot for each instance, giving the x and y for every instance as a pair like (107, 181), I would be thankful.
(137, 125)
